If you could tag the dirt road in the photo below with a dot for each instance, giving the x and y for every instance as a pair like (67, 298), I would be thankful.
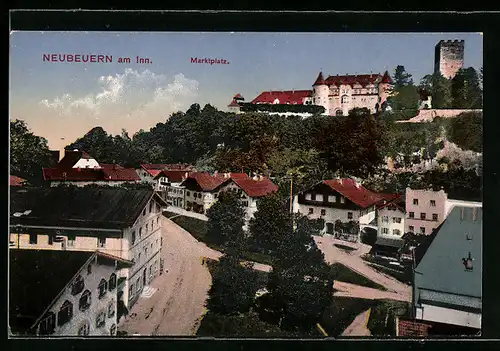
(358, 326)
(362, 292)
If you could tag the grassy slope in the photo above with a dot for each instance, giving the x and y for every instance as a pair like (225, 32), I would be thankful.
(345, 274)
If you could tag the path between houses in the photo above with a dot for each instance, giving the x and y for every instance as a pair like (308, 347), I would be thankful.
(358, 327)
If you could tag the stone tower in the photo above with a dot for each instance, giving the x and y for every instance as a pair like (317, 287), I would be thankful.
(449, 57)
(320, 92)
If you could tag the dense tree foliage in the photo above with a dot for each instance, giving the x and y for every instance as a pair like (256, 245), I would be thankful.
(312, 109)
(28, 153)
(466, 89)
(440, 89)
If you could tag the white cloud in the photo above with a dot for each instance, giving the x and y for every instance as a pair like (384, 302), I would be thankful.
(130, 100)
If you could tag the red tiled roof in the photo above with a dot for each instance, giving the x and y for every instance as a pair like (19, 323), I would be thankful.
(123, 174)
(362, 79)
(391, 199)
(288, 96)
(72, 157)
(169, 166)
(238, 97)
(173, 176)
(255, 188)
(233, 103)
(207, 181)
(386, 78)
(110, 166)
(153, 172)
(359, 195)
(89, 174)
(16, 181)
(320, 80)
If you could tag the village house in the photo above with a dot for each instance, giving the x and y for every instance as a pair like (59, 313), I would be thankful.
(121, 222)
(80, 169)
(391, 220)
(168, 183)
(63, 293)
(251, 189)
(447, 289)
(148, 171)
(342, 200)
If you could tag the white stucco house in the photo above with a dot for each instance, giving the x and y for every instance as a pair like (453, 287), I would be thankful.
(125, 223)
(63, 293)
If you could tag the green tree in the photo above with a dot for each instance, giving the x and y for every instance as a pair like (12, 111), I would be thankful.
(233, 286)
(405, 99)
(466, 89)
(359, 111)
(300, 284)
(401, 77)
(28, 152)
(439, 88)
(226, 219)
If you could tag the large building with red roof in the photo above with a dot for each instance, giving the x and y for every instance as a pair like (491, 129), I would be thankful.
(337, 94)
(342, 200)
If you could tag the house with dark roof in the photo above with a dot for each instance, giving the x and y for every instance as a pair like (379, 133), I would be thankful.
(148, 171)
(448, 275)
(63, 293)
(168, 184)
(343, 200)
(17, 181)
(77, 159)
(121, 222)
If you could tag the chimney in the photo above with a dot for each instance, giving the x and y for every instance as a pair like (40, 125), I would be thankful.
(357, 184)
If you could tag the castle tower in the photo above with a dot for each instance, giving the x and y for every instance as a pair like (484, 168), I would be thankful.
(384, 88)
(320, 92)
(449, 57)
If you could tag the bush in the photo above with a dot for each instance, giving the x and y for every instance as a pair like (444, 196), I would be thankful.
(382, 317)
(313, 109)
(342, 313)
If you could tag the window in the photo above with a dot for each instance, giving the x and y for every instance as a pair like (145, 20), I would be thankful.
(339, 113)
(342, 200)
(323, 212)
(48, 324)
(195, 195)
(319, 197)
(112, 330)
(188, 193)
(422, 215)
(311, 210)
(151, 207)
(144, 211)
(77, 286)
(89, 269)
(65, 313)
(151, 245)
(71, 240)
(411, 228)
(33, 239)
(415, 201)
(411, 215)
(133, 237)
(385, 230)
(435, 217)
(111, 308)
(140, 232)
(131, 291)
(139, 257)
(396, 219)
(396, 232)
(100, 320)
(385, 219)
(101, 242)
(112, 282)
(344, 99)
(308, 196)
(51, 240)
(422, 230)
(103, 288)
(244, 203)
(84, 329)
(433, 203)
(332, 198)
(147, 228)
(157, 221)
(85, 301)
(349, 215)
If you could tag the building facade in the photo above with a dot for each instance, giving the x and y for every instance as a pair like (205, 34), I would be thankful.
(425, 210)
(449, 57)
(121, 222)
(448, 274)
(342, 200)
(391, 219)
(76, 293)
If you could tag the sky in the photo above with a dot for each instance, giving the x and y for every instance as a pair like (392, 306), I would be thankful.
(62, 101)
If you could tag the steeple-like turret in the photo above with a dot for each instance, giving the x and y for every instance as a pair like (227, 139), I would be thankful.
(386, 78)
(320, 80)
